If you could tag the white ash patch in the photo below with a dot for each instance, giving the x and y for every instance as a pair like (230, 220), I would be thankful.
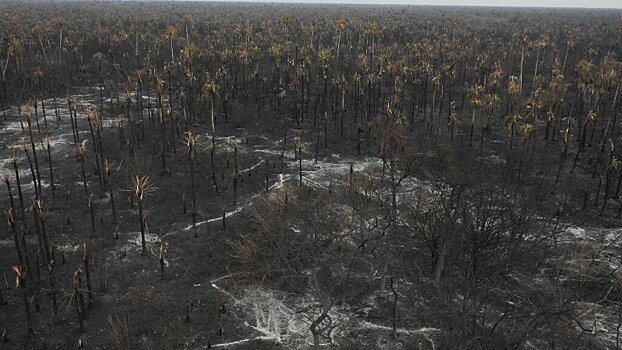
(601, 322)
(325, 173)
(6, 169)
(56, 141)
(288, 154)
(223, 143)
(134, 238)
(15, 127)
(286, 319)
(131, 242)
(577, 232)
(109, 123)
(265, 311)
(69, 248)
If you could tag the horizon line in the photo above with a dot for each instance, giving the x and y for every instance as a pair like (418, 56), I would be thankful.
(346, 2)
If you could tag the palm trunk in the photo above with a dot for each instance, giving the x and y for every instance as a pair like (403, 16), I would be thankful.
(34, 155)
(535, 73)
(32, 172)
(45, 119)
(142, 226)
(472, 127)
(96, 151)
(299, 166)
(162, 135)
(77, 296)
(52, 186)
(172, 53)
(88, 275)
(194, 200)
(92, 212)
(522, 61)
(11, 221)
(86, 190)
(268, 175)
(235, 175)
(394, 318)
(20, 195)
(53, 290)
(565, 59)
(213, 125)
(22, 283)
(2, 301)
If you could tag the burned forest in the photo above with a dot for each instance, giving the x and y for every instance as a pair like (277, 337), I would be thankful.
(197, 175)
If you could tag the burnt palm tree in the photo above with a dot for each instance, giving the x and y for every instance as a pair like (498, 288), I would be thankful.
(78, 298)
(80, 153)
(143, 187)
(94, 119)
(172, 34)
(477, 102)
(192, 154)
(110, 186)
(523, 52)
(46, 247)
(341, 25)
(211, 90)
(570, 43)
(34, 154)
(52, 184)
(541, 45)
(298, 143)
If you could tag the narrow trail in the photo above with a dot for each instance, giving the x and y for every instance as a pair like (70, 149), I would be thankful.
(247, 204)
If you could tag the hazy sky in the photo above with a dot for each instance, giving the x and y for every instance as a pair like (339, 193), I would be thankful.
(524, 3)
